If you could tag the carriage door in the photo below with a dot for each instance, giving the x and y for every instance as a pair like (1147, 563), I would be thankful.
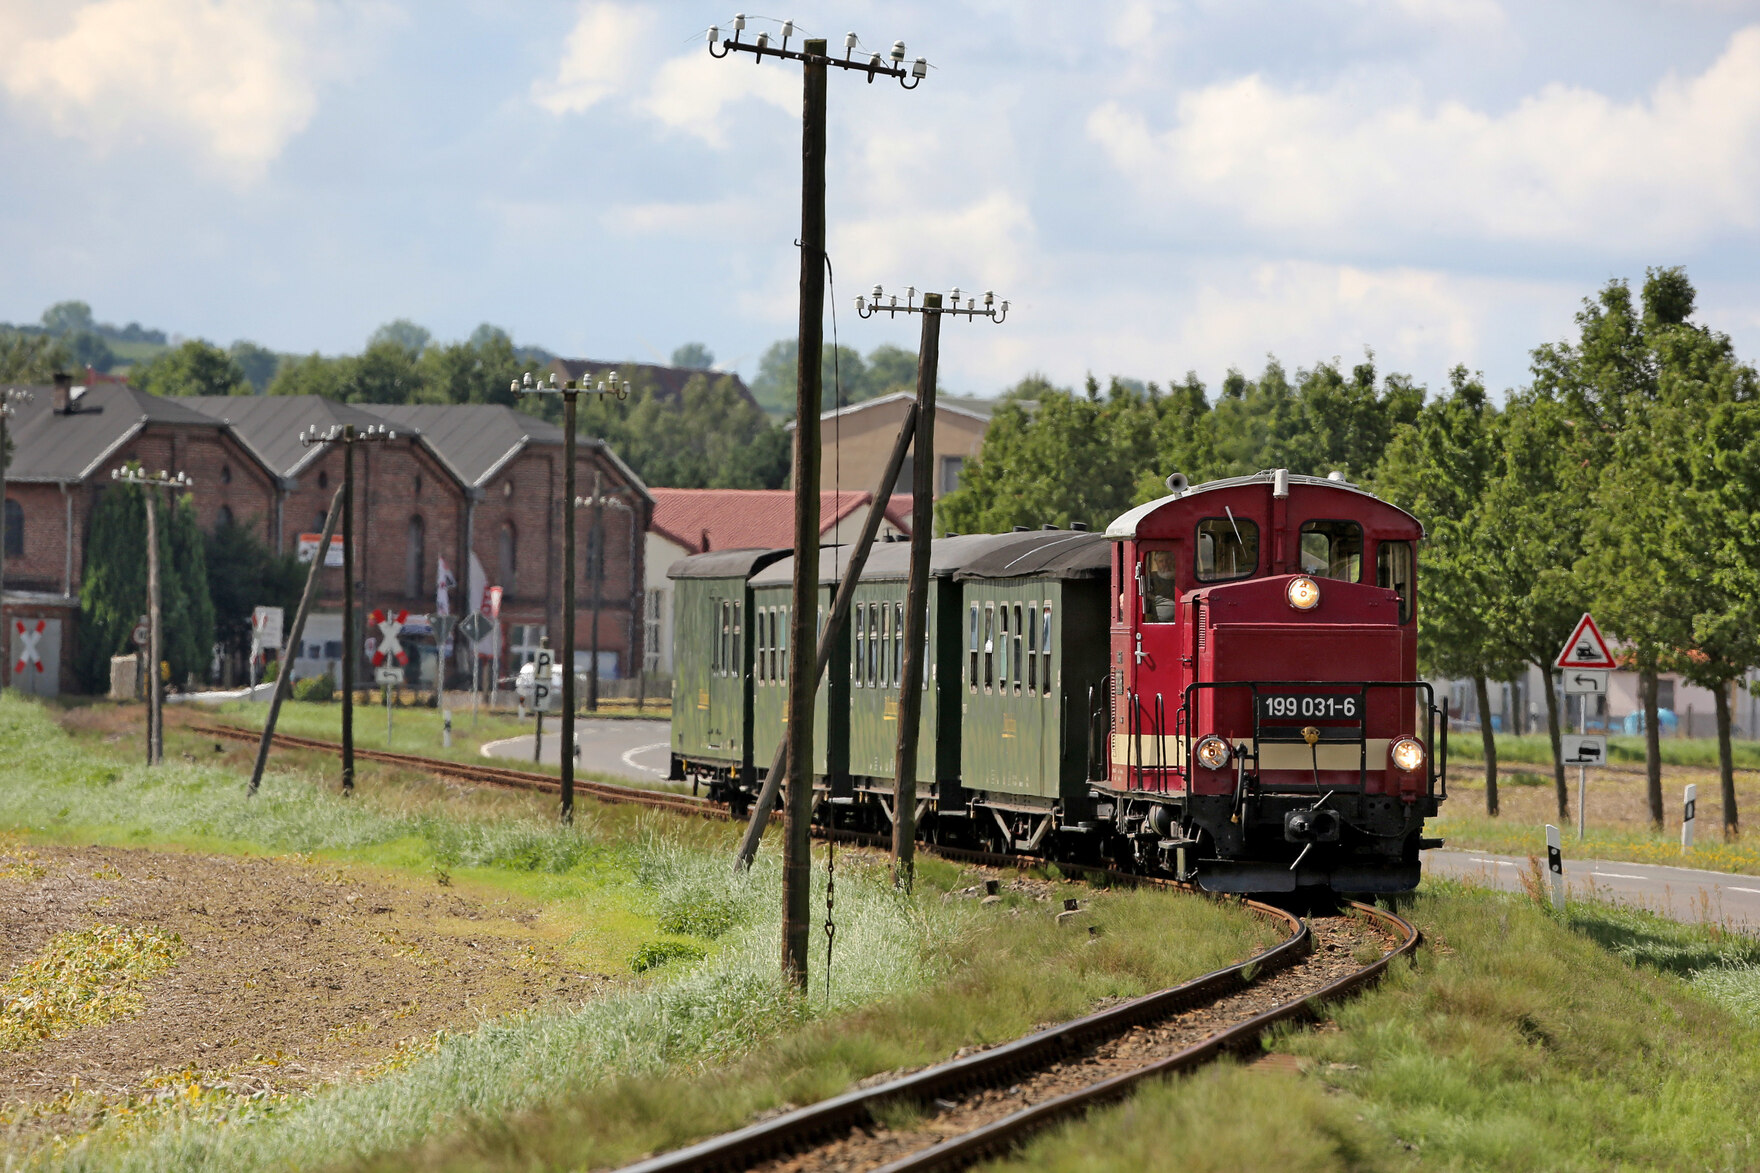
(1153, 664)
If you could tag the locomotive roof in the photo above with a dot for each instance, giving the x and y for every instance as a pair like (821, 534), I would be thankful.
(891, 561)
(725, 563)
(1125, 525)
(1062, 554)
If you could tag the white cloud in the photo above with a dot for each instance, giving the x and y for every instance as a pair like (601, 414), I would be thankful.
(602, 55)
(238, 79)
(691, 94)
(1356, 163)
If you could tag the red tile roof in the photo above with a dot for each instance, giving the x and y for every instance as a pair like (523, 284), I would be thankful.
(732, 519)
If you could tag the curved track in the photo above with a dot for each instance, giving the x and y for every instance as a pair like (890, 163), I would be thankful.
(984, 1104)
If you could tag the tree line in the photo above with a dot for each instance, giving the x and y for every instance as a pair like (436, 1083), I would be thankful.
(1623, 479)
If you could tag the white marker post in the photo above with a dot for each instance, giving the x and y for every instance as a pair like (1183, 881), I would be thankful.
(1555, 864)
(1690, 801)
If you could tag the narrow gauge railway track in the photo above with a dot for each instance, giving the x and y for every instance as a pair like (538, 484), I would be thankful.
(955, 1114)
(983, 1104)
(490, 775)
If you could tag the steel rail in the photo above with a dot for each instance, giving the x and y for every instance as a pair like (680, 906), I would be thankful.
(1001, 1135)
(798, 1129)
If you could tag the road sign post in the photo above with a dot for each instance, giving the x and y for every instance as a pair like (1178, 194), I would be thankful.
(1555, 865)
(1583, 666)
(541, 664)
(1690, 800)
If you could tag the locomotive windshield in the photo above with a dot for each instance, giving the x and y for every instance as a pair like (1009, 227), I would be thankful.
(1332, 549)
(1228, 547)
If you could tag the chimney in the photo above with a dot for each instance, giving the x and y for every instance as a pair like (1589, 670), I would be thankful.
(63, 392)
(705, 541)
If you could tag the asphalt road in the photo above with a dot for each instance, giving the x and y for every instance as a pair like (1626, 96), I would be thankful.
(1678, 892)
(633, 749)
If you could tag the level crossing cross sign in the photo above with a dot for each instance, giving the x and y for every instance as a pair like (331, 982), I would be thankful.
(1585, 648)
(389, 648)
(30, 653)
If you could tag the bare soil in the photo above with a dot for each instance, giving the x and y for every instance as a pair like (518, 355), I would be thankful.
(295, 972)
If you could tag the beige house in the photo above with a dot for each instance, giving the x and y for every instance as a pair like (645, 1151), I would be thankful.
(856, 440)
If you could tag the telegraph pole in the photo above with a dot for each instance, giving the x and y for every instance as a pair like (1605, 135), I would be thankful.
(802, 680)
(916, 608)
(8, 397)
(150, 484)
(348, 436)
(569, 391)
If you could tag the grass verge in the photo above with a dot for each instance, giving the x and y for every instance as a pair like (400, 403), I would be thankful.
(1505, 836)
(1518, 1040)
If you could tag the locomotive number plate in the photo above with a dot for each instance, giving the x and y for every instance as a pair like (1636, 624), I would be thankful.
(1309, 706)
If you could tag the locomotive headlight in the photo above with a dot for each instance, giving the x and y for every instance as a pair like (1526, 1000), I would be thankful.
(1407, 754)
(1303, 593)
(1213, 752)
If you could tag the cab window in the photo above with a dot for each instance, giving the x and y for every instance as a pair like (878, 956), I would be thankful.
(1160, 598)
(1228, 547)
(1333, 549)
(1393, 570)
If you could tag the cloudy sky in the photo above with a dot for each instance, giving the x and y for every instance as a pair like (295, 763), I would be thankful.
(1158, 187)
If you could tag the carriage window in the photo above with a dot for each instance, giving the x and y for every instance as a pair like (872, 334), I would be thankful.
(1017, 646)
(1160, 598)
(780, 618)
(776, 630)
(1032, 651)
(873, 644)
(726, 637)
(1045, 650)
(974, 648)
(714, 642)
(738, 665)
(1002, 647)
(762, 649)
(989, 645)
(1118, 578)
(1393, 570)
(1228, 547)
(1333, 549)
(898, 644)
(885, 644)
(861, 644)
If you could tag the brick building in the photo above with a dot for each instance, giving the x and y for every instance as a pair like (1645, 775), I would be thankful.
(66, 440)
(476, 486)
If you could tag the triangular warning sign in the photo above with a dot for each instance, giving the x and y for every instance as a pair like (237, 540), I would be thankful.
(1585, 648)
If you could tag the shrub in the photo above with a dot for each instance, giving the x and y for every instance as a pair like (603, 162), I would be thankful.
(315, 688)
(660, 952)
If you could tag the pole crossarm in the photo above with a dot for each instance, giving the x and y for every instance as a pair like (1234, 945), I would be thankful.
(867, 305)
(348, 435)
(571, 390)
(875, 66)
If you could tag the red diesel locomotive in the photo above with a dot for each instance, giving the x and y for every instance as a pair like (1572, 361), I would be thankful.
(1268, 729)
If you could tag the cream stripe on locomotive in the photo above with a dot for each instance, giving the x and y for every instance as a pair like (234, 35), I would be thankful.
(1277, 755)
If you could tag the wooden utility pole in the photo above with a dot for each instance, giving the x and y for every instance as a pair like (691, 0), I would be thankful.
(916, 607)
(290, 645)
(596, 553)
(568, 605)
(155, 643)
(802, 681)
(797, 826)
(846, 589)
(150, 484)
(349, 651)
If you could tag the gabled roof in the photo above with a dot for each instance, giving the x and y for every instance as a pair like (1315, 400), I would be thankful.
(701, 520)
(977, 409)
(668, 381)
(69, 447)
(478, 439)
(269, 425)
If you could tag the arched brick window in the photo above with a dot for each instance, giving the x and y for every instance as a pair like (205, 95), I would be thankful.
(14, 529)
(223, 518)
(507, 562)
(415, 558)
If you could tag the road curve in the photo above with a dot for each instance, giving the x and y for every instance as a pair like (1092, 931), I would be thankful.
(633, 749)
